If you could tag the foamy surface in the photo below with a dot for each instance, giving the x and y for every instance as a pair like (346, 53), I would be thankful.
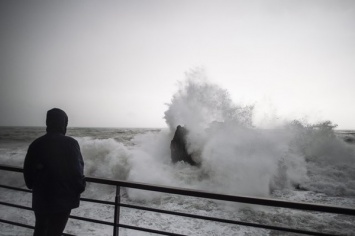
(294, 160)
(139, 158)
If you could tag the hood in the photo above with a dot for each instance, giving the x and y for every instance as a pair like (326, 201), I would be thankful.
(57, 121)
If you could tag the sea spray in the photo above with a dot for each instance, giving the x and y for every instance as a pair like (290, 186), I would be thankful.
(198, 103)
(290, 142)
(149, 161)
(240, 161)
(239, 158)
(330, 161)
(105, 158)
(234, 156)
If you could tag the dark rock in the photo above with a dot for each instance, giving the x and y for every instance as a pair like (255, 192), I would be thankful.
(300, 188)
(349, 139)
(178, 147)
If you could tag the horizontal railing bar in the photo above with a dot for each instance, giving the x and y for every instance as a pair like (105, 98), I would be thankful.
(15, 188)
(82, 199)
(26, 226)
(226, 221)
(215, 196)
(225, 197)
(97, 201)
(17, 224)
(71, 216)
(85, 219)
(91, 220)
(15, 205)
(124, 226)
(188, 192)
(149, 230)
(184, 215)
(11, 168)
(66, 234)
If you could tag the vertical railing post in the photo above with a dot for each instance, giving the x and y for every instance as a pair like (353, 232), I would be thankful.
(116, 220)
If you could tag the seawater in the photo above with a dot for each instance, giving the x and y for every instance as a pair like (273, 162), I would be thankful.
(237, 154)
(301, 171)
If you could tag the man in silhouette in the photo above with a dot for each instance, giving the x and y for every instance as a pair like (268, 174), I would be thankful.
(53, 169)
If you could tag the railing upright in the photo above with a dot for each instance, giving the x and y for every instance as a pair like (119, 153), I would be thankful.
(116, 230)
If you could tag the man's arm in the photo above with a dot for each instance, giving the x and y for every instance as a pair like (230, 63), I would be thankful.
(29, 170)
(80, 169)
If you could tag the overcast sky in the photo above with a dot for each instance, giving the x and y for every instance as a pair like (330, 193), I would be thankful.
(117, 63)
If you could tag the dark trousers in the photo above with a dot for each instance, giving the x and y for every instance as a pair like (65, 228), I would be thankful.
(50, 224)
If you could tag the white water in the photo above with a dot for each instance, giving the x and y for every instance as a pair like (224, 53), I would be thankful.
(234, 157)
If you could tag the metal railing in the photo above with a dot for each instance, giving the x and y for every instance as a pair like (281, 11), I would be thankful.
(179, 191)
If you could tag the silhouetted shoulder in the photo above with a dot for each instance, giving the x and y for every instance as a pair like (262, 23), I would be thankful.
(38, 141)
(71, 139)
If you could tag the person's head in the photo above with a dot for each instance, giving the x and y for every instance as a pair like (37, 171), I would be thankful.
(57, 121)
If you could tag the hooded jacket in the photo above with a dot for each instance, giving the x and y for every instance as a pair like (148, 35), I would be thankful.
(53, 167)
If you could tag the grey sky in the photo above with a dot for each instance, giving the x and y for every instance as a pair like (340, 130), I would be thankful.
(116, 63)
